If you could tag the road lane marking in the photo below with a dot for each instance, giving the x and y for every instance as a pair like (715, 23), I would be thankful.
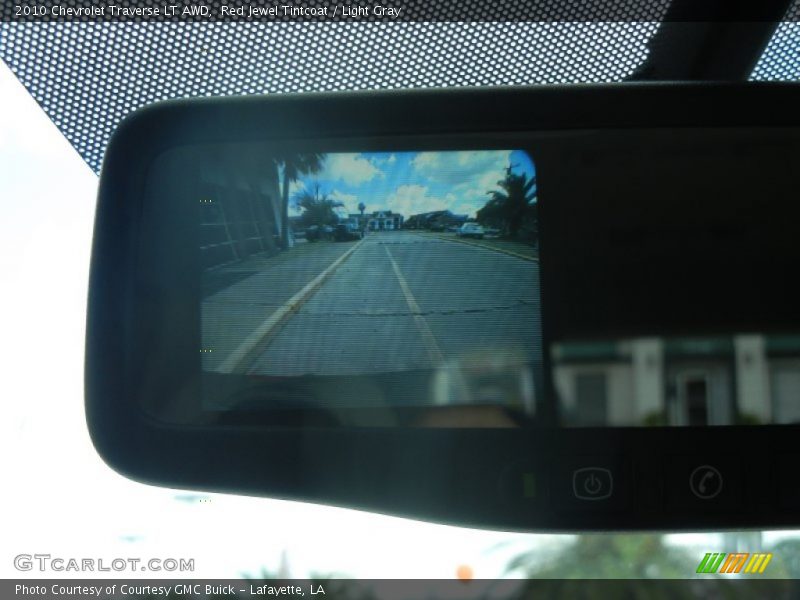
(240, 359)
(487, 247)
(434, 352)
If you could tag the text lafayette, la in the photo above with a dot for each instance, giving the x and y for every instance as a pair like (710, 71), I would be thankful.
(197, 589)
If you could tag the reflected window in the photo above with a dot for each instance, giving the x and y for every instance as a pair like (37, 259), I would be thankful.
(696, 394)
(591, 399)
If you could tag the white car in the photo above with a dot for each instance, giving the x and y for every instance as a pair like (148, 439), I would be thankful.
(472, 230)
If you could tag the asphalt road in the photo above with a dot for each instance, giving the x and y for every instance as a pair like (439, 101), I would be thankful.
(403, 301)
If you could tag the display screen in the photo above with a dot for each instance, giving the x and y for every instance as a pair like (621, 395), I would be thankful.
(383, 278)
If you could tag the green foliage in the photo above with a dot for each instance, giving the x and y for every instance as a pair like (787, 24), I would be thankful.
(512, 208)
(609, 556)
(747, 419)
(656, 418)
(318, 208)
(785, 559)
(294, 165)
(297, 164)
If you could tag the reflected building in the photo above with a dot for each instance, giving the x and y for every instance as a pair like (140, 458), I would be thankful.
(733, 380)
(240, 210)
(379, 220)
(437, 220)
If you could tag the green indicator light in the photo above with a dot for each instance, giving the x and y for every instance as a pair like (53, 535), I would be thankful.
(528, 485)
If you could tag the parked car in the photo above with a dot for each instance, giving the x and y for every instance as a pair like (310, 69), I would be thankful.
(347, 232)
(316, 233)
(471, 230)
(313, 233)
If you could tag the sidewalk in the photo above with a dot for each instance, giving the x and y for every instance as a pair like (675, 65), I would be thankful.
(517, 249)
(240, 297)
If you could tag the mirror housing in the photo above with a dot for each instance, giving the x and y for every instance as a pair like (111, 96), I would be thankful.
(143, 334)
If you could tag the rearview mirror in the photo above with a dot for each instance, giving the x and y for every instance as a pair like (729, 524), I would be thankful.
(538, 309)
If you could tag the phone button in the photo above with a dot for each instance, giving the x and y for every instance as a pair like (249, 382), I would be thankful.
(706, 482)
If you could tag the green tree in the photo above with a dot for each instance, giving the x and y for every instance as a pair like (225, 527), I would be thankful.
(785, 559)
(318, 208)
(603, 556)
(615, 556)
(512, 208)
(294, 165)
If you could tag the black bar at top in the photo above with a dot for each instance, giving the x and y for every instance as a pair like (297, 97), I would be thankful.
(351, 11)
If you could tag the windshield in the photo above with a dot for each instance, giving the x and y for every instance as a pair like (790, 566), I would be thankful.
(64, 501)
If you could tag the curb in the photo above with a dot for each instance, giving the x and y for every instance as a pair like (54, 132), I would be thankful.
(239, 360)
(493, 248)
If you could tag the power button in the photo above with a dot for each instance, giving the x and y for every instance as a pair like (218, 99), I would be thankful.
(592, 483)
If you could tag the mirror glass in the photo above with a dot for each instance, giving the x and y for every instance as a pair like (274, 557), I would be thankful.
(578, 279)
(744, 379)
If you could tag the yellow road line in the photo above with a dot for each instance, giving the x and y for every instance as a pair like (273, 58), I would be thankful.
(488, 247)
(240, 359)
(434, 352)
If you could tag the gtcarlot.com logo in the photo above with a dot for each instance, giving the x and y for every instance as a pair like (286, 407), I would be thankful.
(58, 564)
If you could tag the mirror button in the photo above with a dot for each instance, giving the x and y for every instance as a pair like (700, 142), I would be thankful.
(697, 482)
(706, 482)
(590, 483)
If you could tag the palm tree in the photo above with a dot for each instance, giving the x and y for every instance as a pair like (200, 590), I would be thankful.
(361, 208)
(318, 208)
(294, 165)
(511, 204)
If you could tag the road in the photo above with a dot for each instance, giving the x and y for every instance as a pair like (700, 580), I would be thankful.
(399, 301)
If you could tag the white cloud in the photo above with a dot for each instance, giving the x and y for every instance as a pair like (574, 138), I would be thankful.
(352, 169)
(412, 199)
(466, 168)
(475, 190)
(350, 201)
(469, 174)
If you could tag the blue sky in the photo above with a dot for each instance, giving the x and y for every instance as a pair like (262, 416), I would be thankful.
(415, 182)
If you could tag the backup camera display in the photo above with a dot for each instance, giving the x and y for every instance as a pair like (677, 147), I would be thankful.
(377, 264)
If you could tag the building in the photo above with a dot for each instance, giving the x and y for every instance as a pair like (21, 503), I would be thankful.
(734, 380)
(379, 220)
(437, 220)
(240, 211)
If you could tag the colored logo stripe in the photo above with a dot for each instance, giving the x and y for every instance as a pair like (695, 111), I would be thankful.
(720, 562)
(734, 562)
(758, 563)
(710, 562)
